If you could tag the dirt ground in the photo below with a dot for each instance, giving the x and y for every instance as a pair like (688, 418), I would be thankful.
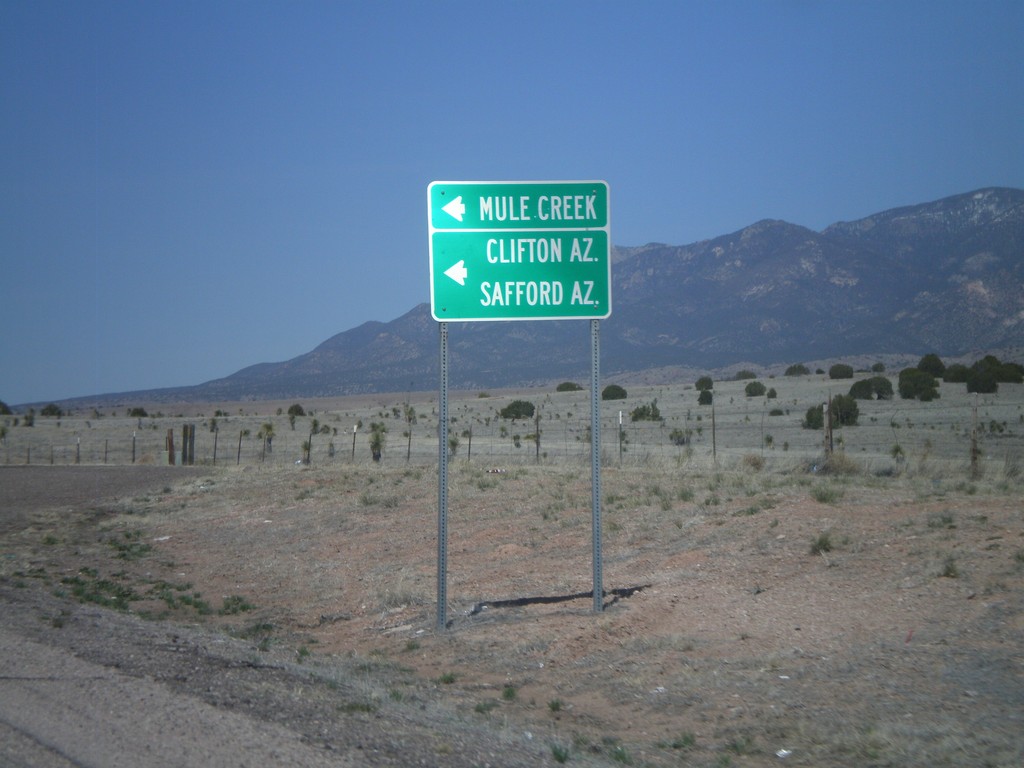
(753, 618)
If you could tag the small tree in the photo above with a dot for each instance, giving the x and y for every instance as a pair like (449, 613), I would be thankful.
(646, 412)
(931, 363)
(1004, 373)
(410, 419)
(51, 410)
(915, 384)
(266, 433)
(613, 392)
(378, 438)
(956, 373)
(982, 381)
(755, 389)
(862, 390)
(882, 387)
(840, 371)
(518, 409)
(798, 370)
(704, 383)
(814, 418)
(4, 409)
(568, 386)
(744, 374)
(844, 411)
(705, 397)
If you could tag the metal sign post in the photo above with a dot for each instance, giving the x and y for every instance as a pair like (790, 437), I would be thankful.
(442, 487)
(519, 250)
(595, 463)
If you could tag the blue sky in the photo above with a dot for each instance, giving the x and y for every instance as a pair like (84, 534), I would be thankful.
(188, 188)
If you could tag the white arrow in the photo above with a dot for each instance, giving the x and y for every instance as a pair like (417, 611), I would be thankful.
(455, 208)
(458, 272)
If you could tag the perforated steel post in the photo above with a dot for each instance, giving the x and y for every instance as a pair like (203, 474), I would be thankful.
(595, 462)
(442, 487)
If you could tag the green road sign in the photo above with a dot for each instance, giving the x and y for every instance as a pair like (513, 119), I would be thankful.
(508, 250)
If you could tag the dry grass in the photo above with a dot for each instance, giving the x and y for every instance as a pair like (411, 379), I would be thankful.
(871, 616)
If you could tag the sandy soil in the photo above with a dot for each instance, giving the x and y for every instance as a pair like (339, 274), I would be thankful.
(759, 618)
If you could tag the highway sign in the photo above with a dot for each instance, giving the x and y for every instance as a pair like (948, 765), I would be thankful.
(533, 250)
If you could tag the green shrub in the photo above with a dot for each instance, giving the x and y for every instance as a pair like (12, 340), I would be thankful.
(931, 363)
(982, 381)
(822, 544)
(814, 418)
(956, 373)
(882, 387)
(744, 374)
(678, 437)
(915, 384)
(798, 370)
(704, 383)
(868, 389)
(613, 392)
(1004, 373)
(840, 371)
(568, 386)
(755, 389)
(518, 409)
(705, 397)
(646, 412)
(862, 390)
(844, 411)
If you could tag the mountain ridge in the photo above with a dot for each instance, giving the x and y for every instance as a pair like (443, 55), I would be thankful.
(945, 276)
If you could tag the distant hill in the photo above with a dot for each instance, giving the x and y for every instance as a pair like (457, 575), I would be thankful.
(945, 276)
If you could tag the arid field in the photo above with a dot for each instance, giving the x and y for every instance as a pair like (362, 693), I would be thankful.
(763, 606)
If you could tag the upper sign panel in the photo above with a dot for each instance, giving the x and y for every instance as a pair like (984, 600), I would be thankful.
(503, 205)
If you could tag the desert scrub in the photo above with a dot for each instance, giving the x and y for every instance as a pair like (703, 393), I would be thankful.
(485, 707)
(234, 604)
(840, 464)
(86, 587)
(260, 632)
(826, 494)
(130, 546)
(941, 520)
(560, 753)
(822, 544)
(386, 500)
(948, 568)
(685, 740)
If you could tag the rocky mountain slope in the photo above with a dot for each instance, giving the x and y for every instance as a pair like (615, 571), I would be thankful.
(945, 276)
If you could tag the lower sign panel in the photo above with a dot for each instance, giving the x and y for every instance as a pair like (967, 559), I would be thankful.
(521, 275)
